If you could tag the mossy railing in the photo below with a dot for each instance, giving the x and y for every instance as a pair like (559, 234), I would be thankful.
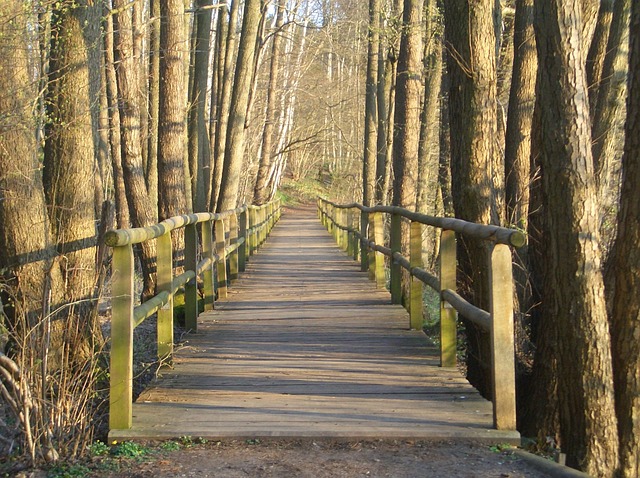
(348, 221)
(226, 241)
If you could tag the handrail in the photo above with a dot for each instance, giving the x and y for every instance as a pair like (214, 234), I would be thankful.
(364, 237)
(234, 235)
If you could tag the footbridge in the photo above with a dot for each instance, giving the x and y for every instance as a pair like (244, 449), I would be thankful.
(296, 339)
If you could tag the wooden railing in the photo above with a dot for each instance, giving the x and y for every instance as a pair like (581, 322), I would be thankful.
(226, 241)
(348, 221)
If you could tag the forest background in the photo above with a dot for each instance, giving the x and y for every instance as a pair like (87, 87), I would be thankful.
(519, 113)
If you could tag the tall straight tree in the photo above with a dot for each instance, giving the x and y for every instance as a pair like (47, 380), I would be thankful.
(573, 295)
(625, 301)
(171, 127)
(141, 207)
(406, 136)
(199, 147)
(226, 86)
(477, 170)
(234, 146)
(25, 235)
(69, 158)
(261, 192)
(371, 107)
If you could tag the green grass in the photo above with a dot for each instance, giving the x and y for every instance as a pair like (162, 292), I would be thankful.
(303, 191)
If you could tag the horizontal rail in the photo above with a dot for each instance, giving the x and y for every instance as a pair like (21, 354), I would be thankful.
(238, 234)
(497, 234)
(122, 237)
(367, 232)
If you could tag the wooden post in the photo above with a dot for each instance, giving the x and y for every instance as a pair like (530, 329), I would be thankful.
(395, 235)
(190, 288)
(355, 220)
(207, 275)
(502, 346)
(252, 233)
(365, 254)
(415, 305)
(243, 252)
(349, 224)
(164, 277)
(261, 231)
(121, 362)
(377, 223)
(448, 315)
(221, 266)
(233, 239)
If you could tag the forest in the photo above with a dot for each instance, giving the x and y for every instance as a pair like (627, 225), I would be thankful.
(524, 114)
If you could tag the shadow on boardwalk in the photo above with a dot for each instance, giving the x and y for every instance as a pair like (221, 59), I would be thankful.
(305, 346)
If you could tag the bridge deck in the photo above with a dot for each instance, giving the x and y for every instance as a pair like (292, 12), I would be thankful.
(305, 346)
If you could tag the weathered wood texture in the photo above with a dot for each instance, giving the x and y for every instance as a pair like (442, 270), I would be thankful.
(306, 346)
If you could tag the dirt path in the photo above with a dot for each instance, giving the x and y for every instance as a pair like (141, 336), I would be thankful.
(315, 459)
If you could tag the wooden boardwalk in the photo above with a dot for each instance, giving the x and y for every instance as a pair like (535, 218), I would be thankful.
(305, 346)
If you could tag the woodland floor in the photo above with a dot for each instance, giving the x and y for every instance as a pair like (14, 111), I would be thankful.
(313, 459)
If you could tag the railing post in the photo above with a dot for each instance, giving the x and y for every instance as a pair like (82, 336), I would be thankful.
(395, 236)
(261, 220)
(448, 315)
(365, 254)
(502, 346)
(252, 230)
(190, 288)
(355, 220)
(121, 361)
(164, 277)
(415, 305)
(207, 275)
(243, 252)
(221, 265)
(233, 239)
(377, 258)
(339, 225)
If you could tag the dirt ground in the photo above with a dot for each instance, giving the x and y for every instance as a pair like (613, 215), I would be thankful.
(318, 459)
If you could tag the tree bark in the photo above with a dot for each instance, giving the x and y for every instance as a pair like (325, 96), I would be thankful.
(585, 382)
(69, 158)
(226, 88)
(199, 147)
(234, 147)
(25, 235)
(477, 170)
(371, 107)
(625, 301)
(141, 208)
(171, 128)
(261, 193)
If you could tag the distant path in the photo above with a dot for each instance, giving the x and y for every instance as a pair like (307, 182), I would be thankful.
(305, 346)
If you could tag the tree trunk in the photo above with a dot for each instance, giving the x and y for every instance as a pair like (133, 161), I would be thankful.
(597, 51)
(371, 106)
(171, 128)
(141, 211)
(25, 236)
(69, 158)
(610, 102)
(234, 148)
(226, 88)
(261, 192)
(122, 207)
(199, 148)
(625, 262)
(570, 208)
(477, 171)
(151, 172)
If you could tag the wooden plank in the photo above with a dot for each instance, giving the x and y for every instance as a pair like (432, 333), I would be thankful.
(306, 346)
